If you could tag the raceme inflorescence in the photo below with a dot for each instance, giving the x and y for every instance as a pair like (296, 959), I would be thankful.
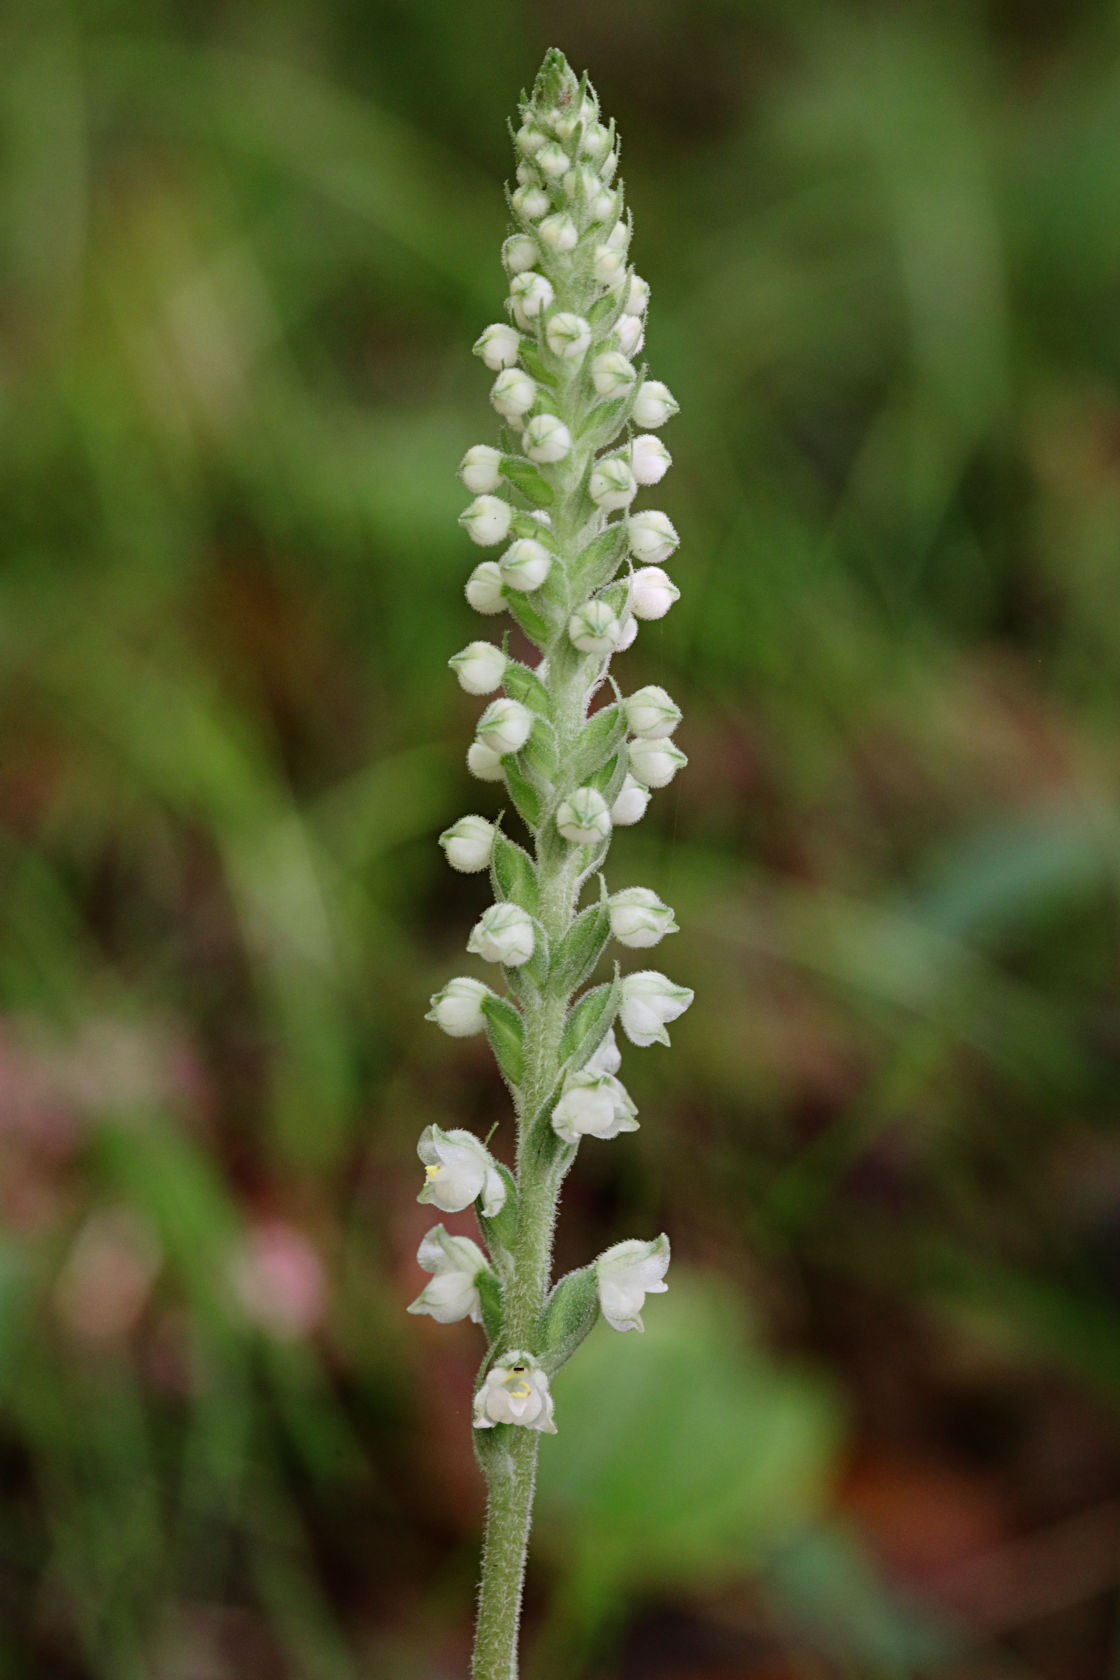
(578, 569)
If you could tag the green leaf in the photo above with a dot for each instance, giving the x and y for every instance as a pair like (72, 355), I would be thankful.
(569, 1315)
(520, 683)
(596, 564)
(506, 1032)
(539, 756)
(588, 1024)
(524, 795)
(490, 1300)
(608, 779)
(530, 618)
(525, 477)
(598, 741)
(535, 364)
(606, 311)
(607, 419)
(513, 875)
(579, 950)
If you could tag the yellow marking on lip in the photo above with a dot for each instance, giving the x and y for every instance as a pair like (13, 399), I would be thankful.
(430, 1172)
(517, 1389)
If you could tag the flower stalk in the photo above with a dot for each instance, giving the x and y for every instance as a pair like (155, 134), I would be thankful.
(579, 571)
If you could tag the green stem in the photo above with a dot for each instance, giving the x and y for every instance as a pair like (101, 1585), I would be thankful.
(511, 1475)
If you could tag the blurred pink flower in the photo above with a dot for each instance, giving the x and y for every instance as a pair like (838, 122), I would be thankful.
(279, 1279)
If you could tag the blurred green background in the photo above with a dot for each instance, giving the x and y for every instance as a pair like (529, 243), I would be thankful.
(871, 1432)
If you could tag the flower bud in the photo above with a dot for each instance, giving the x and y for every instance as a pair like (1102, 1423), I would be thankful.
(503, 934)
(480, 667)
(630, 806)
(468, 844)
(552, 161)
(612, 485)
(638, 917)
(596, 142)
(655, 763)
(527, 176)
(637, 298)
(484, 589)
(567, 335)
(651, 537)
(484, 763)
(513, 393)
(649, 459)
(457, 1009)
(529, 294)
(519, 253)
(559, 233)
(618, 239)
(602, 205)
(626, 1274)
(648, 1001)
(650, 712)
(525, 565)
(609, 267)
(583, 818)
(529, 140)
(480, 469)
(459, 1170)
(628, 635)
(594, 628)
(631, 333)
(593, 1104)
(547, 439)
(608, 166)
(652, 592)
(516, 1392)
(611, 373)
(487, 520)
(654, 404)
(505, 726)
(530, 203)
(498, 346)
(455, 1264)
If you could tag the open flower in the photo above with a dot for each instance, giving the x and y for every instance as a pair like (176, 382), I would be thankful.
(503, 934)
(649, 999)
(459, 1169)
(593, 1104)
(627, 1273)
(455, 1264)
(458, 1007)
(516, 1392)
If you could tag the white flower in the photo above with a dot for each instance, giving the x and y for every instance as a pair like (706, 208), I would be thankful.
(612, 485)
(619, 237)
(457, 1009)
(627, 1273)
(503, 934)
(602, 205)
(637, 298)
(651, 537)
(455, 1264)
(468, 844)
(529, 294)
(505, 726)
(480, 667)
(655, 763)
(654, 404)
(650, 712)
(631, 333)
(529, 140)
(530, 203)
(648, 1001)
(638, 917)
(527, 176)
(611, 373)
(547, 439)
(594, 628)
(559, 232)
(552, 160)
(596, 142)
(459, 1170)
(517, 1392)
(608, 1057)
(480, 469)
(630, 806)
(567, 335)
(652, 592)
(583, 818)
(593, 1104)
(519, 253)
(498, 346)
(487, 520)
(513, 393)
(484, 589)
(525, 565)
(649, 459)
(484, 762)
(608, 268)
(628, 635)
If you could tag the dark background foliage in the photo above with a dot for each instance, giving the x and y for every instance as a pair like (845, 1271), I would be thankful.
(871, 1431)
